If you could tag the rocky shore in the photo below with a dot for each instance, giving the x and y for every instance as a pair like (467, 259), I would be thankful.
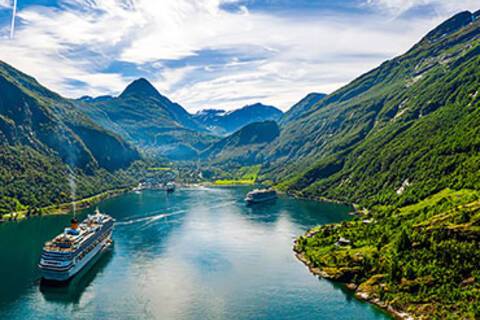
(361, 292)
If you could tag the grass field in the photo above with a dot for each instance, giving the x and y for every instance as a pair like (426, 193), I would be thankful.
(243, 176)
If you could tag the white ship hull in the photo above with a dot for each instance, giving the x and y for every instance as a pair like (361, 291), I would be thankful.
(78, 264)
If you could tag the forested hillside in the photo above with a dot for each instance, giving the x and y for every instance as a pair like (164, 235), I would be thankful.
(44, 141)
(411, 122)
(301, 108)
(244, 146)
(403, 142)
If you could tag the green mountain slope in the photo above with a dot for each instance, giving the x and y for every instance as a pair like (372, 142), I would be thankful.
(243, 147)
(43, 139)
(401, 141)
(32, 115)
(413, 121)
(420, 261)
(301, 108)
(144, 117)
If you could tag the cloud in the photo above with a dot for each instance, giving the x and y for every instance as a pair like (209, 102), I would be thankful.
(203, 56)
(5, 4)
(440, 7)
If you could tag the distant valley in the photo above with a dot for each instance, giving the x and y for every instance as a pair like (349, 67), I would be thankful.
(160, 127)
(224, 123)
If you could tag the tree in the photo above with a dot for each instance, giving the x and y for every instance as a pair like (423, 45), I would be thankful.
(403, 243)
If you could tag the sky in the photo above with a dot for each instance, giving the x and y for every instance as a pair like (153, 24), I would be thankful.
(220, 54)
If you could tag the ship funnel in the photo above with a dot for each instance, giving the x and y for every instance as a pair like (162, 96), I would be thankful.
(74, 224)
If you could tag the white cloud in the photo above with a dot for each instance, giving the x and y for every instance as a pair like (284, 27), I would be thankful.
(441, 7)
(297, 54)
(170, 77)
(5, 3)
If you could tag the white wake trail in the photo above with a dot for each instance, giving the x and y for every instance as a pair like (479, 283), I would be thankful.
(152, 217)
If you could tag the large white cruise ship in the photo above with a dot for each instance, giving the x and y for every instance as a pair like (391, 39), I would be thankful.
(66, 254)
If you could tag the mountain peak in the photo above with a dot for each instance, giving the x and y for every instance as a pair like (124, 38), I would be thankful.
(140, 87)
(256, 105)
(257, 112)
(452, 25)
(258, 108)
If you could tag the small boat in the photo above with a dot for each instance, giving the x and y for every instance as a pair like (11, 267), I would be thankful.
(170, 187)
(261, 195)
(69, 252)
(139, 188)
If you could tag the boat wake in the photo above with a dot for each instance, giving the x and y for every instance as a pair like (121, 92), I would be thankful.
(224, 204)
(152, 217)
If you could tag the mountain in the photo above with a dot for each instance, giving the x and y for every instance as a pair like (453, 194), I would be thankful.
(142, 89)
(452, 25)
(32, 115)
(243, 146)
(221, 122)
(96, 99)
(144, 117)
(302, 107)
(364, 141)
(210, 118)
(402, 142)
(43, 138)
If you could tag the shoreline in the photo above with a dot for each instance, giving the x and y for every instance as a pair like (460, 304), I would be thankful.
(319, 272)
(357, 210)
(359, 294)
(320, 199)
(64, 208)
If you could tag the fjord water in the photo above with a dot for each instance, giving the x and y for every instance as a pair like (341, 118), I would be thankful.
(193, 254)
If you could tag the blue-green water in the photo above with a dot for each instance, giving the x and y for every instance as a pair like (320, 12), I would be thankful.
(194, 254)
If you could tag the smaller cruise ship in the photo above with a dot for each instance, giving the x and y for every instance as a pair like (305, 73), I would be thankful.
(170, 187)
(69, 252)
(261, 195)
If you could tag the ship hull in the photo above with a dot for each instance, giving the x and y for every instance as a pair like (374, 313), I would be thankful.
(256, 201)
(65, 276)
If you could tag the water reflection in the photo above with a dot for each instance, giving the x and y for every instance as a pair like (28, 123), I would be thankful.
(266, 212)
(71, 292)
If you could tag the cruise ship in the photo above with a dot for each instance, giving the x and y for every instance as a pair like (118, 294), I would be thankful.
(260, 195)
(69, 252)
(170, 187)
